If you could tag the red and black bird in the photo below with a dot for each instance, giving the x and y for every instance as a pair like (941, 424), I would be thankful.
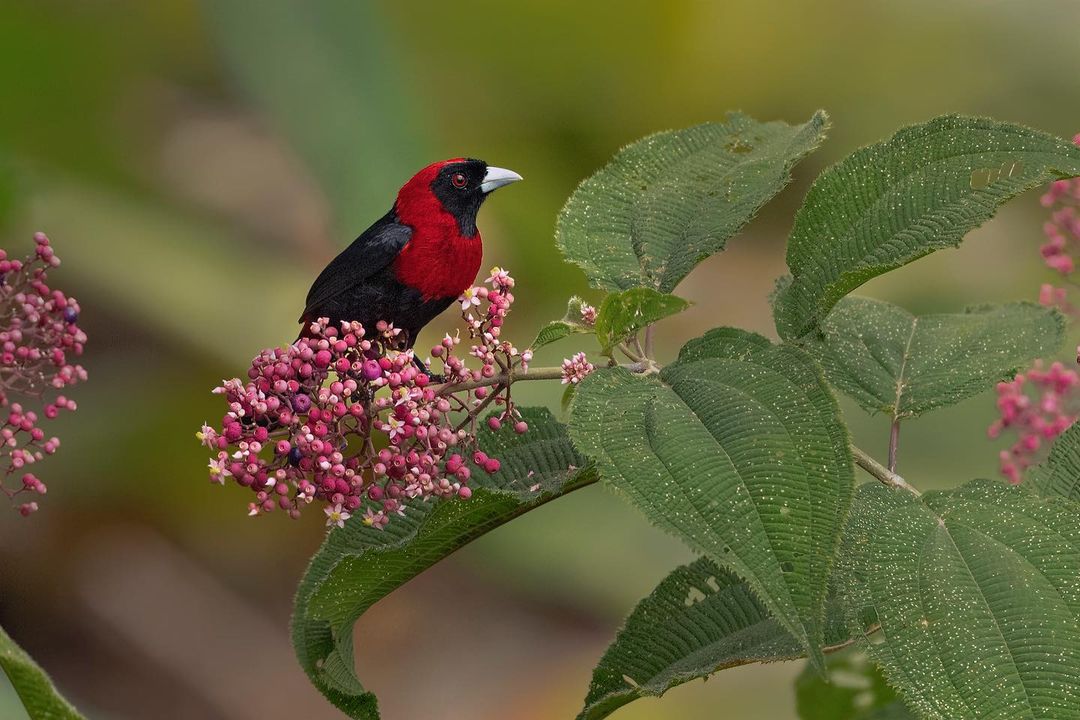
(417, 259)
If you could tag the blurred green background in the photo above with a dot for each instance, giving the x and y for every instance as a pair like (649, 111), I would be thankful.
(197, 163)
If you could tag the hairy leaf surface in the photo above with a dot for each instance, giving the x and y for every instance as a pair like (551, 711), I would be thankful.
(737, 448)
(894, 202)
(357, 565)
(623, 314)
(977, 591)
(891, 361)
(699, 620)
(1059, 474)
(36, 691)
(670, 200)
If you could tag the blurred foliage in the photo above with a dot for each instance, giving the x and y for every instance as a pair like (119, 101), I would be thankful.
(197, 163)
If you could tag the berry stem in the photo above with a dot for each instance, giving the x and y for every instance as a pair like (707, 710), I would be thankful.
(879, 471)
(894, 442)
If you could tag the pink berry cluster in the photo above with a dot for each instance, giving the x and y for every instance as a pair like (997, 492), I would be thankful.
(575, 369)
(1062, 232)
(348, 418)
(39, 338)
(1037, 406)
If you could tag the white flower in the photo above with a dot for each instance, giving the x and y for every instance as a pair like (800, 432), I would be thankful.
(336, 516)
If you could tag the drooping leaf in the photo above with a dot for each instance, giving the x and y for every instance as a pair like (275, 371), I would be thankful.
(853, 690)
(699, 620)
(890, 361)
(334, 83)
(570, 324)
(738, 449)
(894, 202)
(357, 565)
(977, 591)
(1059, 474)
(623, 314)
(36, 691)
(670, 200)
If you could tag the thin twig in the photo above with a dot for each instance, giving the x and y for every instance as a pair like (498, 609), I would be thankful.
(649, 342)
(881, 472)
(894, 442)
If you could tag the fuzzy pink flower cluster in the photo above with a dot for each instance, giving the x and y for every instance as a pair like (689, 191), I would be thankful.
(1037, 406)
(575, 369)
(39, 338)
(345, 419)
(1062, 232)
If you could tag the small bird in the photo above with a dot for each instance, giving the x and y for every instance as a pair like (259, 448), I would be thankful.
(417, 259)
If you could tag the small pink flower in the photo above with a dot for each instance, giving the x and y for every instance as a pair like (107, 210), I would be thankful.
(588, 315)
(336, 516)
(575, 369)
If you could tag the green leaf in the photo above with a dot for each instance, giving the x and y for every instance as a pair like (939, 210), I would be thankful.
(894, 202)
(890, 361)
(335, 84)
(40, 698)
(670, 200)
(738, 449)
(699, 620)
(853, 690)
(357, 565)
(1059, 475)
(570, 324)
(623, 314)
(977, 594)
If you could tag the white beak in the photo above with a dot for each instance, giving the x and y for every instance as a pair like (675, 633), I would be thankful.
(496, 177)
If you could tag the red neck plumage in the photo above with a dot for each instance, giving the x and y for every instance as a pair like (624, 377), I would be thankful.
(438, 261)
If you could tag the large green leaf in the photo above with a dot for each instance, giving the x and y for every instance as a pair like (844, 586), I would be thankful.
(358, 565)
(40, 698)
(670, 200)
(1059, 474)
(699, 620)
(334, 83)
(623, 314)
(738, 449)
(977, 591)
(890, 361)
(853, 689)
(898, 200)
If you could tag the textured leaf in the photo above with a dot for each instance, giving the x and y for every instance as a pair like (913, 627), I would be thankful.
(890, 361)
(854, 690)
(35, 689)
(737, 448)
(1060, 474)
(623, 314)
(890, 203)
(670, 200)
(699, 620)
(334, 83)
(569, 324)
(357, 565)
(977, 591)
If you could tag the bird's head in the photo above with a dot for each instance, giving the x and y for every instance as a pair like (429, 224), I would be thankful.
(454, 187)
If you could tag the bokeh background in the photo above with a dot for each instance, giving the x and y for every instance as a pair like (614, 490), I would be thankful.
(197, 163)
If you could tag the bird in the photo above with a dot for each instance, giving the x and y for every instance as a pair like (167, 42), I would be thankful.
(416, 260)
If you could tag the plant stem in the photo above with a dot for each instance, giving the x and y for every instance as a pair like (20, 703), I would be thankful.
(879, 471)
(894, 441)
(649, 342)
(512, 376)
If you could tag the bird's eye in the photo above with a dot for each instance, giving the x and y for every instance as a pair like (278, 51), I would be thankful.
(459, 180)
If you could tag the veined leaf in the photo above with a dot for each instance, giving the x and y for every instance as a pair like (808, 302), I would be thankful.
(894, 202)
(699, 620)
(977, 591)
(623, 314)
(738, 449)
(357, 565)
(570, 324)
(854, 689)
(1060, 474)
(670, 200)
(36, 691)
(890, 361)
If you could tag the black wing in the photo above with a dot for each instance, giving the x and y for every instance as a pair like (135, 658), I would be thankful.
(374, 250)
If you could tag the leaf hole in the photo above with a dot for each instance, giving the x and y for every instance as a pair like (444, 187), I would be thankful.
(694, 596)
